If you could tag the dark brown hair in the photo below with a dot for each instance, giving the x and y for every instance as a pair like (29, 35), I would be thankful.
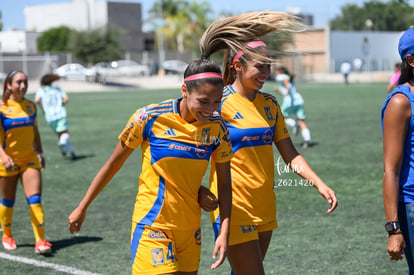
(406, 73)
(202, 66)
(284, 70)
(8, 80)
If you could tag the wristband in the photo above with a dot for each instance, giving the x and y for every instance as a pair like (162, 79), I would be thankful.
(395, 233)
(392, 226)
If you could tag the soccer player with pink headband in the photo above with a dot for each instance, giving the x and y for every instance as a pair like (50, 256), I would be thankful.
(255, 122)
(178, 138)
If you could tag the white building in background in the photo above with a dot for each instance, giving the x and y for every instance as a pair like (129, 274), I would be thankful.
(80, 15)
(20, 47)
(13, 41)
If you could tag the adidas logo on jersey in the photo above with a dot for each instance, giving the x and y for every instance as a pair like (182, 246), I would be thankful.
(237, 116)
(170, 132)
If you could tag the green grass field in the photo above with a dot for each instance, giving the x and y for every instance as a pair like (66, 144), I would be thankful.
(344, 122)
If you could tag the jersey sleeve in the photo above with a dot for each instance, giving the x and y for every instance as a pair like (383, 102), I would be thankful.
(394, 79)
(39, 93)
(132, 134)
(280, 80)
(223, 151)
(35, 110)
(62, 92)
(281, 131)
(2, 134)
(281, 77)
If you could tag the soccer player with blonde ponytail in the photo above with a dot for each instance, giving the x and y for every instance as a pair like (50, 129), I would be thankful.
(255, 122)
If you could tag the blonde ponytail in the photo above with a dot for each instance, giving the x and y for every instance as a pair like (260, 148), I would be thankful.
(233, 33)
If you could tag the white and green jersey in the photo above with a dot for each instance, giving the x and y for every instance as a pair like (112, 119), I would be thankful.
(52, 102)
(291, 97)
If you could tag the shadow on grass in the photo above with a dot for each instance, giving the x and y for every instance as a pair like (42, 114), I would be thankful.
(57, 245)
(118, 84)
(61, 244)
(303, 145)
(80, 157)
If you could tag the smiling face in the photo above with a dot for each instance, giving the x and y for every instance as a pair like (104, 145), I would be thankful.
(253, 74)
(200, 103)
(18, 86)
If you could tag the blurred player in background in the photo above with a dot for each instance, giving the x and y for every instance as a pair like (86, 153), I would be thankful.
(52, 101)
(346, 70)
(395, 77)
(293, 106)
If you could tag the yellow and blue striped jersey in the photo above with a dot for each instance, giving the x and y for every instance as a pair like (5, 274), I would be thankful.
(17, 133)
(175, 156)
(253, 127)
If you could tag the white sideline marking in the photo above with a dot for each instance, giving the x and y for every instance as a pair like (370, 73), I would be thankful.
(56, 267)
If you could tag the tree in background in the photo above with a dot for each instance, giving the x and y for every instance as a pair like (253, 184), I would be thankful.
(90, 47)
(394, 15)
(98, 45)
(184, 23)
(197, 24)
(54, 40)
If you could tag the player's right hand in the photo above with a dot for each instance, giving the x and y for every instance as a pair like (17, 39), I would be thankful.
(207, 199)
(76, 219)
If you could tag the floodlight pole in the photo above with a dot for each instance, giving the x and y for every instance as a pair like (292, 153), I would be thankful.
(368, 24)
(88, 14)
(161, 52)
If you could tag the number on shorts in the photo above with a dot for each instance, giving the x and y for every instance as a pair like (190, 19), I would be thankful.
(170, 253)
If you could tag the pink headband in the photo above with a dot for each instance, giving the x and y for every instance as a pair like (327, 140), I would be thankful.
(203, 75)
(250, 45)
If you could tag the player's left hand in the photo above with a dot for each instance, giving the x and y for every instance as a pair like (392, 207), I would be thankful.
(222, 247)
(42, 162)
(76, 219)
(330, 196)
